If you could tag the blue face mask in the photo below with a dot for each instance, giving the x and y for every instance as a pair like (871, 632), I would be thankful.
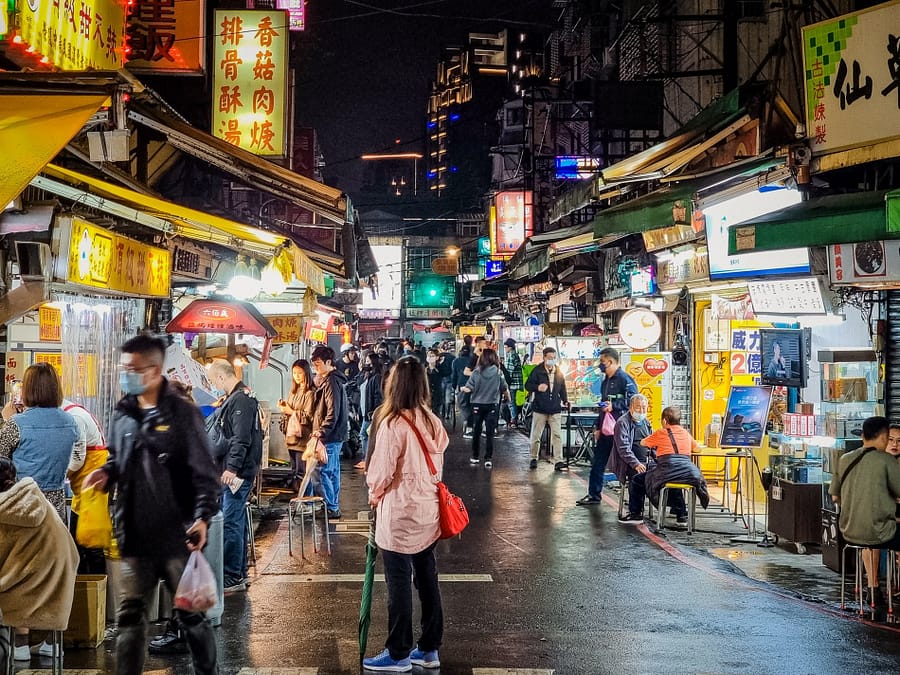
(638, 417)
(550, 362)
(132, 383)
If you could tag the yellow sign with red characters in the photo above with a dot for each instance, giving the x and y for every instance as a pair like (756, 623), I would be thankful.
(49, 324)
(287, 327)
(250, 76)
(75, 34)
(85, 376)
(652, 372)
(103, 259)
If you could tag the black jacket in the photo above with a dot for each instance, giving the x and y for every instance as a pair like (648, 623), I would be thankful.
(374, 391)
(617, 389)
(241, 448)
(547, 402)
(331, 409)
(460, 363)
(162, 468)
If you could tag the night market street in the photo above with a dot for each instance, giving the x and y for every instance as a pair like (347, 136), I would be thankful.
(535, 585)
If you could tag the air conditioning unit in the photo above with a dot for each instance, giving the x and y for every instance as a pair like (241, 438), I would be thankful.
(109, 146)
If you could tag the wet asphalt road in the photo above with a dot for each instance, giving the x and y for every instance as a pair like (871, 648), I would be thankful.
(570, 591)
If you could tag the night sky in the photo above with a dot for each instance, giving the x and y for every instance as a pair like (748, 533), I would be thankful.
(364, 71)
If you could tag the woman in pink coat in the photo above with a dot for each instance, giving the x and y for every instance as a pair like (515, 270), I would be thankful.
(403, 492)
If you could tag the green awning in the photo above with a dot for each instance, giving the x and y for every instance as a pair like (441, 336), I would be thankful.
(650, 212)
(836, 219)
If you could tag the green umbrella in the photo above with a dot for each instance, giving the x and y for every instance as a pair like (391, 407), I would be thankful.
(365, 603)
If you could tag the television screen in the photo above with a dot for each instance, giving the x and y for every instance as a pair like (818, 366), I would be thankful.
(783, 357)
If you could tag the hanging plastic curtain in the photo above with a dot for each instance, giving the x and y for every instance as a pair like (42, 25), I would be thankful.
(92, 331)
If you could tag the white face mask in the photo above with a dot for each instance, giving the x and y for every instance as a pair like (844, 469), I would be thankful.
(550, 362)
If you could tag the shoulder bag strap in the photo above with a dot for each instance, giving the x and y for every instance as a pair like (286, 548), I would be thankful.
(854, 463)
(421, 444)
(672, 439)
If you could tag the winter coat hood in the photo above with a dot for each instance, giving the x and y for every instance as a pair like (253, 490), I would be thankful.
(24, 505)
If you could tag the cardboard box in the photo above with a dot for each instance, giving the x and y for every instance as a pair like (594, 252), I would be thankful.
(87, 623)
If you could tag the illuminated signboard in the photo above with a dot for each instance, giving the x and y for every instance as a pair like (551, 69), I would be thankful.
(6, 9)
(484, 246)
(165, 36)
(387, 289)
(513, 224)
(577, 168)
(296, 10)
(75, 34)
(101, 259)
(494, 268)
(250, 73)
(287, 327)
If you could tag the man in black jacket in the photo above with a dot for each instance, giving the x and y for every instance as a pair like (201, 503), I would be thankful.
(238, 449)
(547, 386)
(330, 423)
(161, 464)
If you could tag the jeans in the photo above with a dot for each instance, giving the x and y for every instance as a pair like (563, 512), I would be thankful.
(513, 408)
(483, 414)
(139, 579)
(235, 532)
(602, 448)
(364, 437)
(538, 422)
(637, 492)
(331, 477)
(399, 569)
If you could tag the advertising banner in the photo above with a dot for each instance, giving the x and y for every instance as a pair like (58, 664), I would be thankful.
(652, 372)
(75, 34)
(385, 290)
(49, 324)
(164, 36)
(864, 263)
(746, 417)
(250, 76)
(513, 223)
(852, 70)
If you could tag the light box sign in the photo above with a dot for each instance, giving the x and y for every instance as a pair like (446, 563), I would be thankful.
(867, 262)
(102, 259)
(164, 36)
(484, 246)
(494, 268)
(250, 75)
(386, 290)
(724, 215)
(513, 224)
(853, 79)
(75, 34)
(570, 167)
(296, 10)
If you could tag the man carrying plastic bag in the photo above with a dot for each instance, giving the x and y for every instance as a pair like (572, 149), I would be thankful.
(168, 489)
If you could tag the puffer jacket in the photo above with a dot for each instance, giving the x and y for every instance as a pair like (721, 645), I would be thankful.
(38, 560)
(168, 453)
(399, 478)
(330, 415)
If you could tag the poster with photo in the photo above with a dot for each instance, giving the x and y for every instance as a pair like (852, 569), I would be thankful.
(746, 417)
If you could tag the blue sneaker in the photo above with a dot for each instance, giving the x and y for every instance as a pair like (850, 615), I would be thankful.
(384, 663)
(425, 659)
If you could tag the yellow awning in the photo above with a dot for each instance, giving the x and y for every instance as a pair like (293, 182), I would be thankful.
(193, 224)
(33, 130)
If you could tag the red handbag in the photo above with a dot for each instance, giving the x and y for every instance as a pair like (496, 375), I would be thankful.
(451, 509)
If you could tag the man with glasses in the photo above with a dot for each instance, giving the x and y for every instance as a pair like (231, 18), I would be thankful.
(167, 490)
(330, 423)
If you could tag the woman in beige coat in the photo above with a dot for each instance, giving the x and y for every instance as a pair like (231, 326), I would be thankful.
(403, 491)
(38, 558)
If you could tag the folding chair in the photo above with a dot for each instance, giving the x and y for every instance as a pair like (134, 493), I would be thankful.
(307, 505)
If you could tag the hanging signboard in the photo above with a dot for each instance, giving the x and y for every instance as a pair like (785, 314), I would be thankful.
(102, 259)
(75, 34)
(853, 79)
(787, 296)
(296, 10)
(49, 324)
(513, 223)
(164, 36)
(287, 327)
(250, 76)
(868, 262)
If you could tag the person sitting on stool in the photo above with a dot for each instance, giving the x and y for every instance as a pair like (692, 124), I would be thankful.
(628, 457)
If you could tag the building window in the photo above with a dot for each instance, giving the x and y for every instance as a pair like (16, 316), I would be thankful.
(751, 9)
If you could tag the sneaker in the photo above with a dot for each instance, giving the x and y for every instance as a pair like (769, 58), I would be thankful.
(488, 464)
(631, 519)
(587, 500)
(169, 642)
(22, 653)
(467, 433)
(46, 649)
(474, 460)
(334, 515)
(384, 663)
(559, 466)
(533, 464)
(234, 586)
(425, 659)
(681, 520)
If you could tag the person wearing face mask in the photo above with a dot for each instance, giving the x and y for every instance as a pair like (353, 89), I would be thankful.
(547, 387)
(617, 389)
(435, 380)
(628, 457)
(371, 393)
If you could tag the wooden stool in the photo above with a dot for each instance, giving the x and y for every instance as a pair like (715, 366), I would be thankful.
(691, 505)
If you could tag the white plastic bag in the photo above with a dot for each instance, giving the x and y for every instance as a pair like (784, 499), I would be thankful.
(197, 590)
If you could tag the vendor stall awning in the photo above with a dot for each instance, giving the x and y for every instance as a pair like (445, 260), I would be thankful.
(328, 202)
(175, 218)
(33, 129)
(835, 219)
(221, 316)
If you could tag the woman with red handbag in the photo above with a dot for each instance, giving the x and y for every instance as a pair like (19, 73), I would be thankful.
(409, 440)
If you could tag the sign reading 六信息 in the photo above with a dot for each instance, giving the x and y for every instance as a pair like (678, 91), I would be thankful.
(852, 70)
(250, 74)
(75, 34)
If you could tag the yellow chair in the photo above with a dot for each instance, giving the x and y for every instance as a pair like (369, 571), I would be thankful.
(691, 504)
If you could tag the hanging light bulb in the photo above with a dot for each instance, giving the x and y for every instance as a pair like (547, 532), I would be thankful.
(254, 270)
(272, 280)
(243, 286)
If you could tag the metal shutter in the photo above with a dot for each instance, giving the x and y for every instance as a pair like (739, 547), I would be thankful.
(892, 357)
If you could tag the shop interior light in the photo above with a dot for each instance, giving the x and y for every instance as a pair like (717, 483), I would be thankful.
(245, 284)
(271, 279)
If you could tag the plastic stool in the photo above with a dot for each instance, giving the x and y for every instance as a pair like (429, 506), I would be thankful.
(56, 638)
(859, 578)
(663, 502)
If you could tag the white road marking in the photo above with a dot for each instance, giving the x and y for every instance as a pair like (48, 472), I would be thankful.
(40, 671)
(507, 541)
(359, 578)
(512, 671)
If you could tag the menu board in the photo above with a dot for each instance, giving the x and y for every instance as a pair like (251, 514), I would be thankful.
(787, 296)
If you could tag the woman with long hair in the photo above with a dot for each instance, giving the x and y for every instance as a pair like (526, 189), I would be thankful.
(298, 409)
(403, 493)
(485, 387)
(371, 394)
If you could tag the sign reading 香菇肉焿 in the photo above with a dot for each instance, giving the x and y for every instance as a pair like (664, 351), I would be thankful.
(102, 259)
(250, 74)
(75, 34)
(852, 69)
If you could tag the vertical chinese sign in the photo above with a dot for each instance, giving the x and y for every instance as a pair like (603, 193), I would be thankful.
(513, 222)
(165, 36)
(296, 10)
(852, 72)
(250, 76)
(75, 34)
